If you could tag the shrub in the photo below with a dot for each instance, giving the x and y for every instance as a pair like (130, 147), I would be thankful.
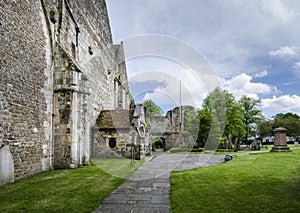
(176, 150)
(221, 144)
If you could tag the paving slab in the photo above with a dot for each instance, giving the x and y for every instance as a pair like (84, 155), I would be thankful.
(148, 189)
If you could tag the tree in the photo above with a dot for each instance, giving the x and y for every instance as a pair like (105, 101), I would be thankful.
(290, 121)
(250, 113)
(204, 126)
(234, 118)
(227, 113)
(191, 126)
(152, 108)
(264, 128)
(215, 103)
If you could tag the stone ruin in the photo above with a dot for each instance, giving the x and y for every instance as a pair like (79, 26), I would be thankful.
(64, 88)
(59, 71)
(171, 128)
(121, 133)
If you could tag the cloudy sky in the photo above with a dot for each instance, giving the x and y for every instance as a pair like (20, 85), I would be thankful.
(178, 51)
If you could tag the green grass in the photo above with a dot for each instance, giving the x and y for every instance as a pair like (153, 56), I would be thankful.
(289, 145)
(75, 190)
(119, 167)
(265, 182)
(159, 149)
(184, 150)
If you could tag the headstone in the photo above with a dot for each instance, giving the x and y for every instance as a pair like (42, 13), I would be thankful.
(6, 166)
(280, 144)
(296, 144)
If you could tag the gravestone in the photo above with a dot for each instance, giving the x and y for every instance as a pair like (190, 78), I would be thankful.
(6, 166)
(280, 144)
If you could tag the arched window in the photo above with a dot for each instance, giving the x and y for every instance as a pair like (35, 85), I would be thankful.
(112, 143)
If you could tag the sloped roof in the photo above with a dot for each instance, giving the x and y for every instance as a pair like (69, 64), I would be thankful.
(115, 119)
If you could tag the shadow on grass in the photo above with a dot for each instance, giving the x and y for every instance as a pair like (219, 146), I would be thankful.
(118, 167)
(73, 190)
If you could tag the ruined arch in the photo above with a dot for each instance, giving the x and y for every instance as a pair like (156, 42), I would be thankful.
(159, 142)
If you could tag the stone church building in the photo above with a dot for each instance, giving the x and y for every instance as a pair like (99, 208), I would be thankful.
(59, 72)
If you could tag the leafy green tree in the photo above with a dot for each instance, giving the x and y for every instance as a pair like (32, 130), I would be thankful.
(191, 126)
(251, 114)
(227, 113)
(264, 128)
(215, 103)
(290, 121)
(152, 108)
(204, 126)
(235, 127)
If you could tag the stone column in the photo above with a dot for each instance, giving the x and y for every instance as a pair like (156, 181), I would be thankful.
(280, 144)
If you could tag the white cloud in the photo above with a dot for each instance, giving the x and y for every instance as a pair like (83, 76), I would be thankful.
(296, 68)
(158, 78)
(233, 35)
(229, 59)
(167, 92)
(241, 85)
(278, 10)
(285, 103)
(194, 91)
(261, 74)
(297, 65)
(283, 52)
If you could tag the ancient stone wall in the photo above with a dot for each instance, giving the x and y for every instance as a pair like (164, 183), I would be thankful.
(103, 148)
(125, 128)
(113, 125)
(87, 67)
(173, 129)
(174, 116)
(26, 90)
(59, 69)
(123, 98)
(159, 125)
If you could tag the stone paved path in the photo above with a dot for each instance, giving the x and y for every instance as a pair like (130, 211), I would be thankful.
(148, 189)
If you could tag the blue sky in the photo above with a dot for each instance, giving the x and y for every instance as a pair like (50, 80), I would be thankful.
(247, 47)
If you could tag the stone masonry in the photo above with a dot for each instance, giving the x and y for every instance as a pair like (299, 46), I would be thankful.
(121, 133)
(59, 69)
(280, 144)
(171, 128)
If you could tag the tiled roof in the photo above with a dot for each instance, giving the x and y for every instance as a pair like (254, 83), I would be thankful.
(115, 119)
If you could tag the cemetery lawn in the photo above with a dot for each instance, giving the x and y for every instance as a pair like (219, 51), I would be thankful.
(74, 190)
(264, 182)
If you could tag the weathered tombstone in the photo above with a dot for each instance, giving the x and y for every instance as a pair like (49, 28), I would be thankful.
(296, 144)
(280, 144)
(6, 166)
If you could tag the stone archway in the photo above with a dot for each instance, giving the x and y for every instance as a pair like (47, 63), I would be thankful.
(158, 143)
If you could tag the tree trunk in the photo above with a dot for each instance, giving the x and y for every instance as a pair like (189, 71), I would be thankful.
(230, 141)
(236, 144)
